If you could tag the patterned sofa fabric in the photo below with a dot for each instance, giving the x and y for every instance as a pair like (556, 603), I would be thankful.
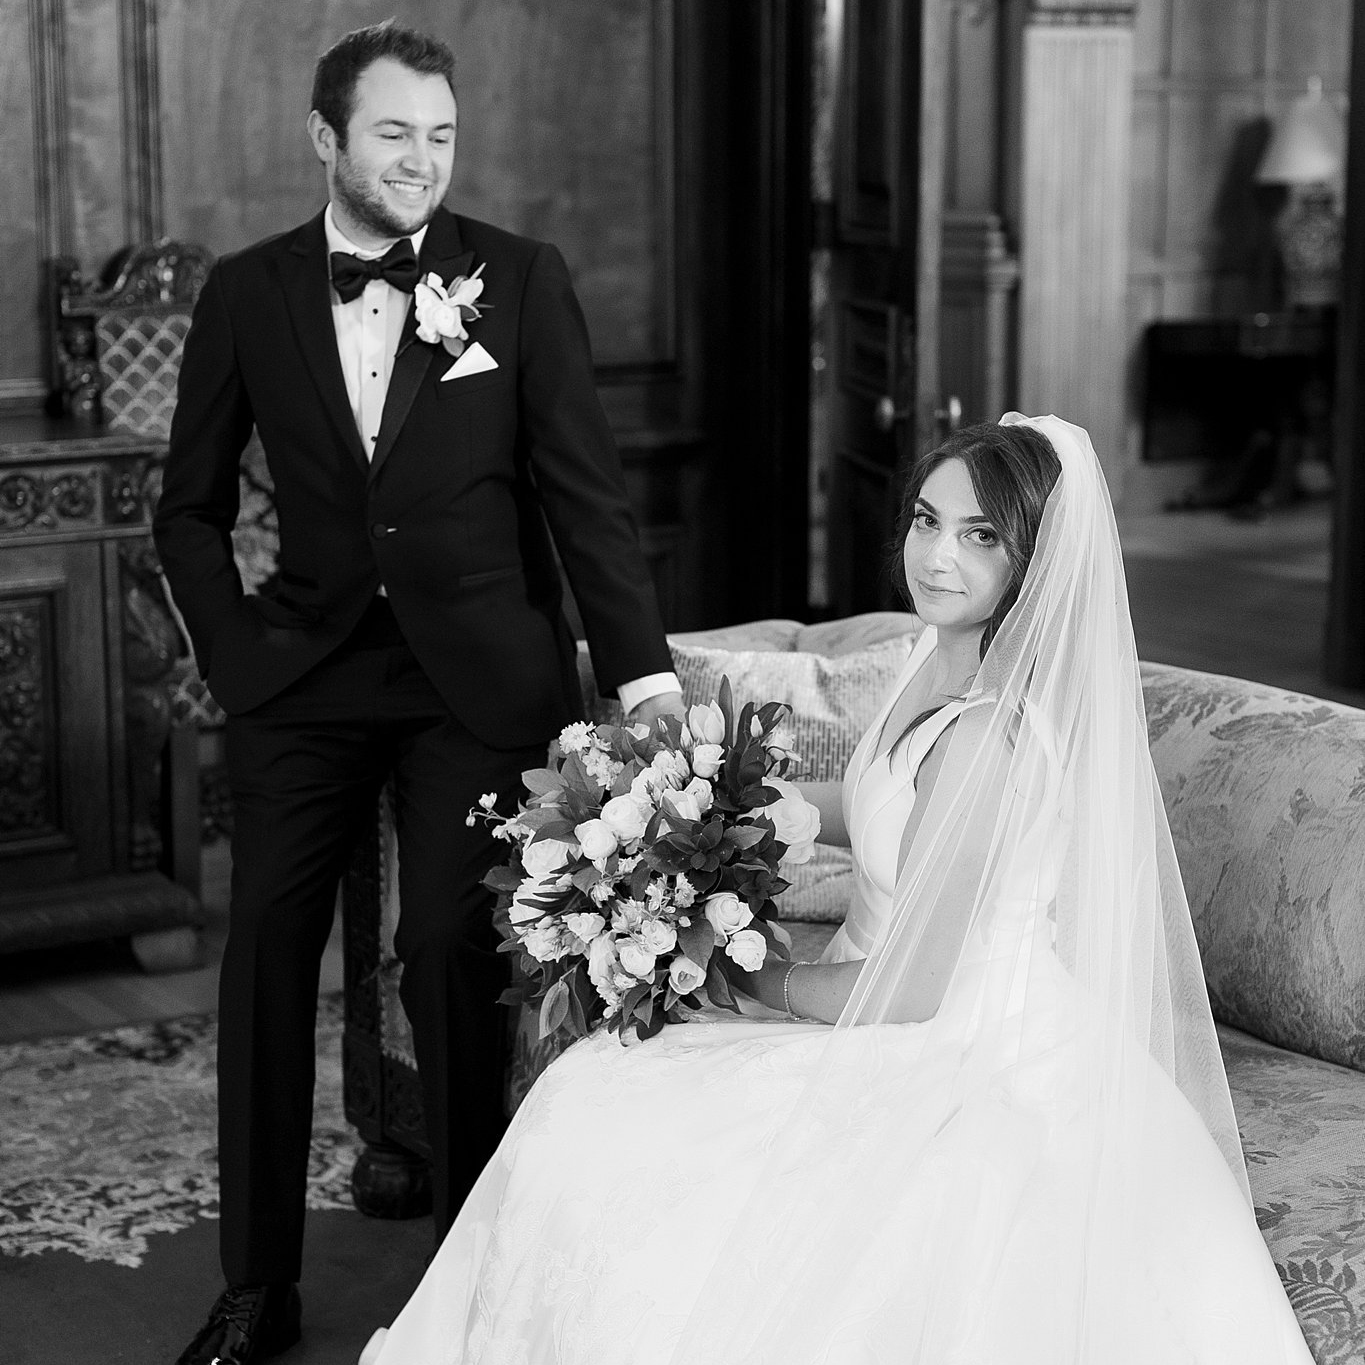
(1303, 1134)
(1266, 796)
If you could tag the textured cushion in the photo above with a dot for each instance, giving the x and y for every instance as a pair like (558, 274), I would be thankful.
(1303, 1134)
(835, 675)
(1266, 796)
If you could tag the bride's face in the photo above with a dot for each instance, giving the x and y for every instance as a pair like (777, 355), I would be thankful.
(955, 562)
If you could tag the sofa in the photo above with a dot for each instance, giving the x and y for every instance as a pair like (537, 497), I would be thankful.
(1265, 791)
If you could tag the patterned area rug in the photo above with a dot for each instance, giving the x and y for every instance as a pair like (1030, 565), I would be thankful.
(110, 1137)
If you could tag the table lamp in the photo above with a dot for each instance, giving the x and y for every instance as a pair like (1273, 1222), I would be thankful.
(1306, 152)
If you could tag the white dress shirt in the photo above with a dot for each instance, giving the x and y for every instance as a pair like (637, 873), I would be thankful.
(368, 329)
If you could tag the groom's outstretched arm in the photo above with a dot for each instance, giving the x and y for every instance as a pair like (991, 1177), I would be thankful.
(199, 492)
(578, 474)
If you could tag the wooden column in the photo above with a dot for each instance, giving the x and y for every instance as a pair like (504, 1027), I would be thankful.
(1344, 656)
(1076, 86)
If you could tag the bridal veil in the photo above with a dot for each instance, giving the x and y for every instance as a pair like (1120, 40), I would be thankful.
(1022, 1149)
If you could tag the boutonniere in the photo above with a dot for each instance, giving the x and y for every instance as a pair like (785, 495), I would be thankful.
(442, 310)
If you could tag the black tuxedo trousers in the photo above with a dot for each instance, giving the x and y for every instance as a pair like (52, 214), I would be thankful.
(306, 768)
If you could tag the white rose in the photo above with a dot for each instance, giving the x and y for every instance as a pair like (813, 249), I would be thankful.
(626, 816)
(707, 723)
(657, 936)
(637, 960)
(586, 924)
(533, 889)
(545, 942)
(596, 838)
(706, 759)
(546, 856)
(748, 948)
(727, 913)
(795, 820)
(693, 801)
(685, 976)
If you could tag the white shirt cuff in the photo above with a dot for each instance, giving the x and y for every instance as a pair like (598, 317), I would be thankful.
(632, 693)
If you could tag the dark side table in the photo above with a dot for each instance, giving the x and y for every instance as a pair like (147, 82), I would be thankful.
(1251, 397)
(86, 646)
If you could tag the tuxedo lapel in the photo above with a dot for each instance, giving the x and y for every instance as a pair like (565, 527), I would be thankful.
(443, 253)
(308, 294)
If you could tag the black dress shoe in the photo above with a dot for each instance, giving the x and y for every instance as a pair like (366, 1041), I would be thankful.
(250, 1322)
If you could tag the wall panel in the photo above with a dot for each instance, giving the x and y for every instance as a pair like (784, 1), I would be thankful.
(94, 105)
(565, 133)
(21, 356)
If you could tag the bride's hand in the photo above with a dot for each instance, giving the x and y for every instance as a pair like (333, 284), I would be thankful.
(807, 990)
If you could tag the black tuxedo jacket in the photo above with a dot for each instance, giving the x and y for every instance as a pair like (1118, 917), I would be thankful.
(450, 513)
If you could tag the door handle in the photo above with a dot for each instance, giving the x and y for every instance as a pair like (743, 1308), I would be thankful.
(886, 414)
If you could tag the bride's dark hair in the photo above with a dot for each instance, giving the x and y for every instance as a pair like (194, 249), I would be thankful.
(1012, 469)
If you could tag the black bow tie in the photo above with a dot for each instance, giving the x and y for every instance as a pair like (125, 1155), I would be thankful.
(398, 265)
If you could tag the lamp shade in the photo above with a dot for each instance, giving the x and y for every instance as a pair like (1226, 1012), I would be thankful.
(1308, 144)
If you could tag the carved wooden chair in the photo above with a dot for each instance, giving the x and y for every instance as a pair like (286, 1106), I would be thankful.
(116, 347)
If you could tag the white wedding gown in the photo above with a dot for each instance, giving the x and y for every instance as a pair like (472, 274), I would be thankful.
(594, 1233)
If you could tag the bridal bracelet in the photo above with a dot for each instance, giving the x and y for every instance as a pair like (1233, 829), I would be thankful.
(786, 991)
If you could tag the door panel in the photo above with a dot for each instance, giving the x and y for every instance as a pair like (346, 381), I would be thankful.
(883, 279)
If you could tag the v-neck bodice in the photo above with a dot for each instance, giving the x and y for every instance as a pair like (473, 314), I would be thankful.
(879, 794)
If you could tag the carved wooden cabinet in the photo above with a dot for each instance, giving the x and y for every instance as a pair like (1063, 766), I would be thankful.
(87, 645)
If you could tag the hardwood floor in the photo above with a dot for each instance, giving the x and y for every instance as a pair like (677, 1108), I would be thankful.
(1207, 592)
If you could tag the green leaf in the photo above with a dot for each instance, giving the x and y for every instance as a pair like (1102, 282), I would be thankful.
(586, 878)
(639, 879)
(725, 699)
(718, 986)
(697, 939)
(746, 835)
(554, 1009)
(542, 781)
(537, 817)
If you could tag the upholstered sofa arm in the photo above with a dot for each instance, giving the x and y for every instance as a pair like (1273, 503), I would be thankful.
(1265, 791)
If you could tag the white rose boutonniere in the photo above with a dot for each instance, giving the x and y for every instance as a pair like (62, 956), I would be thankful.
(442, 310)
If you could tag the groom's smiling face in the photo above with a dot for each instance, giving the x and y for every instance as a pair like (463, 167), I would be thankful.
(390, 171)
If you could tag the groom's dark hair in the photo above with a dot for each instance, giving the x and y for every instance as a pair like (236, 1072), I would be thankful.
(341, 66)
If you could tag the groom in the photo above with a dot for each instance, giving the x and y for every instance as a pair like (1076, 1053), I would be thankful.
(428, 462)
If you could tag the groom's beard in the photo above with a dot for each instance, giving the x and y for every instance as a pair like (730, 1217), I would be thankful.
(364, 203)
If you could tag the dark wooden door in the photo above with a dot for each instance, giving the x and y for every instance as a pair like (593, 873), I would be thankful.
(885, 232)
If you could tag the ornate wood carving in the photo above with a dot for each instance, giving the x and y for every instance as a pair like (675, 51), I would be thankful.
(28, 755)
(155, 278)
(131, 490)
(151, 646)
(48, 500)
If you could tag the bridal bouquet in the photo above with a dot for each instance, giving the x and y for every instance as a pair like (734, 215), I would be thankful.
(644, 861)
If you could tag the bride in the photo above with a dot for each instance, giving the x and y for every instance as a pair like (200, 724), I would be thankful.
(1016, 1142)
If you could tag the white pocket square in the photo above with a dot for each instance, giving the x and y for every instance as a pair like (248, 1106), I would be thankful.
(474, 360)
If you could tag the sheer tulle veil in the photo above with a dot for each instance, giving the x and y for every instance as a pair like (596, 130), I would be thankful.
(1041, 934)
